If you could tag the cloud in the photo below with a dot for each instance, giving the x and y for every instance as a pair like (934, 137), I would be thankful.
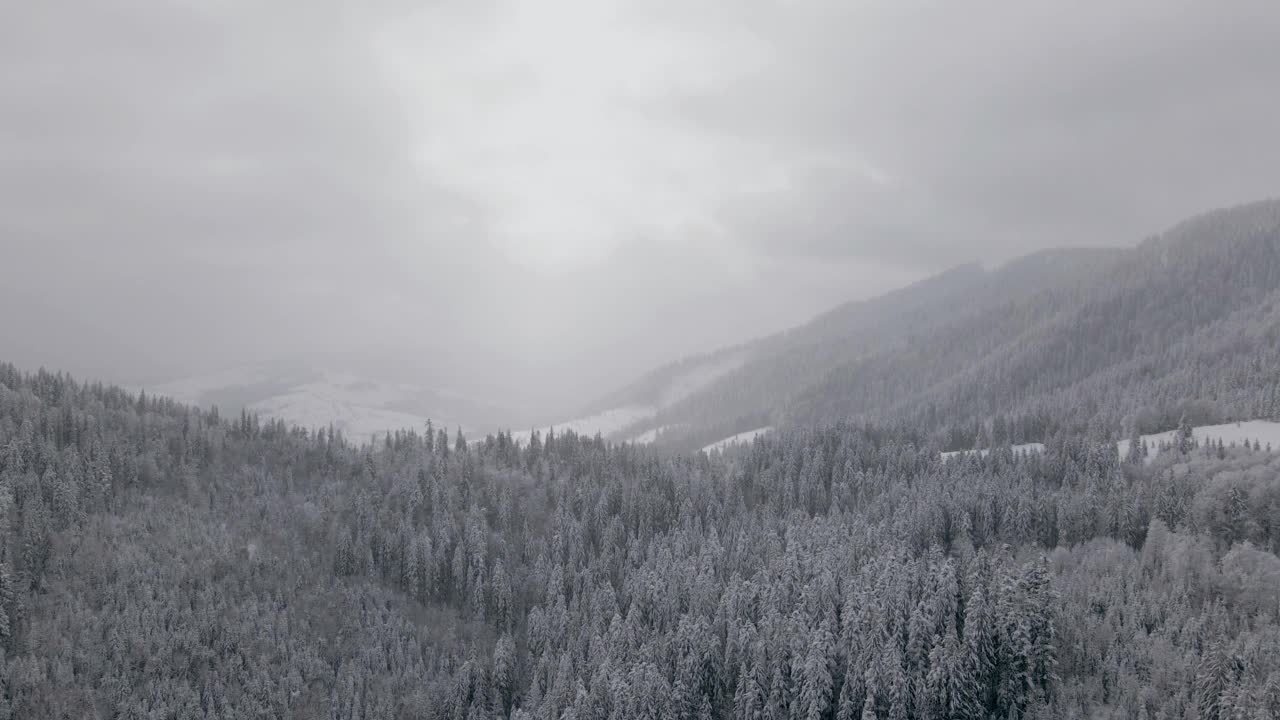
(553, 116)
(1003, 128)
(544, 198)
(239, 167)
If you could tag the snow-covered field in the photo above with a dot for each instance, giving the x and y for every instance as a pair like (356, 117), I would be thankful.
(605, 423)
(647, 436)
(614, 420)
(742, 437)
(315, 407)
(1266, 432)
(359, 407)
(198, 390)
(686, 384)
(1017, 449)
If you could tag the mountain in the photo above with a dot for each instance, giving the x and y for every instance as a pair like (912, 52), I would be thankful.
(162, 560)
(1186, 322)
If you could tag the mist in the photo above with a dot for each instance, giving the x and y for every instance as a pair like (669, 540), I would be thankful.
(532, 205)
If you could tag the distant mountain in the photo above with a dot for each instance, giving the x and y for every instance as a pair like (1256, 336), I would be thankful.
(1186, 322)
(618, 414)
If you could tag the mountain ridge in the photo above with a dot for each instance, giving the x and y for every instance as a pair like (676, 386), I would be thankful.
(925, 352)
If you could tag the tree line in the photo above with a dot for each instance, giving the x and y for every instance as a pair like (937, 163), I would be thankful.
(159, 560)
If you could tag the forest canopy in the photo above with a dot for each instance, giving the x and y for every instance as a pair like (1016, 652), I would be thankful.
(163, 561)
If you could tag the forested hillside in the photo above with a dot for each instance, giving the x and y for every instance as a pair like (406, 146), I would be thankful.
(161, 561)
(1185, 324)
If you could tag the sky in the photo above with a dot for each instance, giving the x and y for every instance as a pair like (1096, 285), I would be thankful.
(541, 200)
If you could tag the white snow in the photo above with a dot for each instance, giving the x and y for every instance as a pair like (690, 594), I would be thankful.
(647, 436)
(192, 390)
(1017, 450)
(690, 382)
(742, 437)
(1264, 431)
(605, 423)
(359, 407)
(315, 407)
(615, 420)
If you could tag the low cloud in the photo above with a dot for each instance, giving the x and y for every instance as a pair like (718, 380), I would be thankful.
(544, 200)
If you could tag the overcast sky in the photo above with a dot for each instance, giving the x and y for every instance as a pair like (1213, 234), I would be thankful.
(568, 192)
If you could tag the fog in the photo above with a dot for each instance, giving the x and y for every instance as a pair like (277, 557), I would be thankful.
(532, 203)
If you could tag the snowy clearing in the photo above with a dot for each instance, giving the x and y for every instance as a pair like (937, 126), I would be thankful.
(361, 408)
(742, 437)
(1017, 449)
(605, 423)
(648, 436)
(313, 408)
(1266, 432)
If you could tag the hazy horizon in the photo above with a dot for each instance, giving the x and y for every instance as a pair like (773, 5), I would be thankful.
(541, 204)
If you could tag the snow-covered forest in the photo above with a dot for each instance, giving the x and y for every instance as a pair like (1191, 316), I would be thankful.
(162, 561)
(635, 360)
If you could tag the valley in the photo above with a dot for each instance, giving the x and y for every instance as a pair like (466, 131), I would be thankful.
(793, 528)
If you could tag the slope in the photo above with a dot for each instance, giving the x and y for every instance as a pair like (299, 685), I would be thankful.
(1185, 323)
